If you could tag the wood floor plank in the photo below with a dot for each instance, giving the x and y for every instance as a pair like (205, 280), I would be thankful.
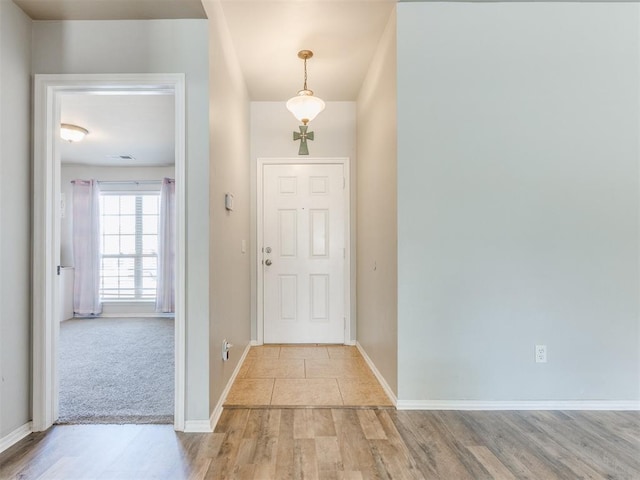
(350, 475)
(304, 458)
(208, 444)
(284, 456)
(265, 471)
(323, 425)
(243, 472)
(254, 423)
(454, 423)
(303, 423)
(478, 427)
(266, 451)
(401, 451)
(60, 469)
(590, 460)
(263, 425)
(232, 423)
(491, 463)
(625, 425)
(356, 453)
(445, 455)
(370, 425)
(392, 462)
(328, 456)
(246, 451)
(557, 450)
(342, 444)
(145, 452)
(199, 469)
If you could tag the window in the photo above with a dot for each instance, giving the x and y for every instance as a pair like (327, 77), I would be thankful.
(129, 245)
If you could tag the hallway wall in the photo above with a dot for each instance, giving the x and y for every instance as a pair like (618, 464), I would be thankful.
(377, 210)
(152, 46)
(15, 219)
(518, 211)
(229, 159)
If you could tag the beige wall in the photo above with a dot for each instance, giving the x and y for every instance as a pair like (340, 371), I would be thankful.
(15, 218)
(230, 283)
(376, 210)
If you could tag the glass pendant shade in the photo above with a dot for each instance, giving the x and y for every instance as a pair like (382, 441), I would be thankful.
(304, 106)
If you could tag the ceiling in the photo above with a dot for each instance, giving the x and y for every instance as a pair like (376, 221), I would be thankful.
(111, 9)
(267, 35)
(343, 35)
(139, 126)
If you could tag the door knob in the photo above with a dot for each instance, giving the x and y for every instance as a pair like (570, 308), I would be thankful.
(267, 262)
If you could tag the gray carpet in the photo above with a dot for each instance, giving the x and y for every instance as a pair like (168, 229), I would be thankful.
(115, 370)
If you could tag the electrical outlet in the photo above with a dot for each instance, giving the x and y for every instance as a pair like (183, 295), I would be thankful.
(541, 354)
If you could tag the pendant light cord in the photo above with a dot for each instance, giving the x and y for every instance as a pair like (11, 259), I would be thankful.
(305, 74)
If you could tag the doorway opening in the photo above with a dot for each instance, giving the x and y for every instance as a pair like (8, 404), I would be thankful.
(115, 355)
(128, 260)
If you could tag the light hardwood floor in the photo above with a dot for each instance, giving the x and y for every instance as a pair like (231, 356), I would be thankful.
(342, 444)
(269, 441)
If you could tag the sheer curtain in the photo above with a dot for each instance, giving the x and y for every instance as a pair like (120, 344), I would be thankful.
(165, 288)
(86, 247)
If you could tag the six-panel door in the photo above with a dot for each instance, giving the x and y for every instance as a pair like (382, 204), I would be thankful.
(304, 253)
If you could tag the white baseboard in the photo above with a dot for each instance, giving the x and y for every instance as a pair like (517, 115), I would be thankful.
(517, 405)
(15, 436)
(351, 343)
(254, 343)
(215, 415)
(197, 426)
(376, 372)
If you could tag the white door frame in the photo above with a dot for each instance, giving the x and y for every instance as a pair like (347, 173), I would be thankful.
(46, 235)
(344, 161)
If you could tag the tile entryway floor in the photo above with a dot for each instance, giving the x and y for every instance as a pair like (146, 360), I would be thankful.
(310, 376)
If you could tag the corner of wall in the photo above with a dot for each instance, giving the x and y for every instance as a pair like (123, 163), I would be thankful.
(377, 321)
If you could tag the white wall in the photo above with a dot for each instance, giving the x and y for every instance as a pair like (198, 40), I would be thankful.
(518, 212)
(229, 278)
(156, 46)
(272, 127)
(15, 218)
(377, 210)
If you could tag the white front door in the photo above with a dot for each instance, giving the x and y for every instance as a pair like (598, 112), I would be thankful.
(303, 258)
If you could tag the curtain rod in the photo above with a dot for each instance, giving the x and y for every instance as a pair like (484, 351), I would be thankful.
(134, 182)
(120, 182)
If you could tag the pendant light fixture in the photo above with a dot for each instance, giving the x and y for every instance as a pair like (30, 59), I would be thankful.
(72, 133)
(304, 106)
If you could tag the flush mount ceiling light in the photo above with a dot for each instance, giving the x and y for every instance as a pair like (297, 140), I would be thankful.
(304, 106)
(72, 133)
